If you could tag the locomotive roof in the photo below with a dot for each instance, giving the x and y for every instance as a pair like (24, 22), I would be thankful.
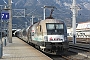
(52, 21)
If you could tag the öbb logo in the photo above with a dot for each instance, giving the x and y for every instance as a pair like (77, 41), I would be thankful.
(54, 39)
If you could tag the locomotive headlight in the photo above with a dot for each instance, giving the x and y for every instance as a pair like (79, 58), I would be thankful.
(46, 38)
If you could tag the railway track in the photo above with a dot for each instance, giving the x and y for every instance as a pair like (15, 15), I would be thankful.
(59, 57)
(84, 42)
(80, 40)
(65, 56)
(80, 46)
(68, 56)
(73, 55)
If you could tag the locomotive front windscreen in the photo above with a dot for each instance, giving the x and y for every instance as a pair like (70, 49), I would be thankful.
(55, 29)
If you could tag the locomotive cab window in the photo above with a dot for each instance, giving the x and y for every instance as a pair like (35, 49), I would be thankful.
(55, 28)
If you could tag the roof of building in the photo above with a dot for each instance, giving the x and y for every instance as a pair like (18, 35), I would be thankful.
(83, 25)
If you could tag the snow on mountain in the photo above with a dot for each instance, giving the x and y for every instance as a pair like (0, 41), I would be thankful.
(63, 11)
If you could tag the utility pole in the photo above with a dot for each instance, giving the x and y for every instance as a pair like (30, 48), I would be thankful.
(44, 12)
(74, 21)
(32, 19)
(1, 43)
(10, 21)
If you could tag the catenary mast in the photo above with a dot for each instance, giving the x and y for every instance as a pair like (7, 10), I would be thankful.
(10, 22)
(74, 21)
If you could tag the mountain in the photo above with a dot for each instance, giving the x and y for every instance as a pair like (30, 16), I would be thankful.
(63, 11)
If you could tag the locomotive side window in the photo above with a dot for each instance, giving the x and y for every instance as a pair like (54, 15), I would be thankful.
(55, 28)
(40, 28)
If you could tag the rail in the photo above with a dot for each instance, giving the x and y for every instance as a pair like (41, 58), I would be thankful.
(83, 48)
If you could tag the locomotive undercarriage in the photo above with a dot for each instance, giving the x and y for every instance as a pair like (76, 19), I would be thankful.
(55, 48)
(52, 48)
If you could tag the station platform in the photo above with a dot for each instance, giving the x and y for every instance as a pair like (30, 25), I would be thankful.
(19, 50)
